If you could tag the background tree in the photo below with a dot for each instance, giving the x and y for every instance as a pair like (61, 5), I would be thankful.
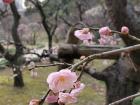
(13, 59)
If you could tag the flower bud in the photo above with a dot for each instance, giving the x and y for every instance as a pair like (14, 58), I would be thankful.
(124, 30)
(105, 31)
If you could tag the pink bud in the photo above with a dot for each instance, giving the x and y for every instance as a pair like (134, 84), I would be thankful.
(124, 30)
(105, 31)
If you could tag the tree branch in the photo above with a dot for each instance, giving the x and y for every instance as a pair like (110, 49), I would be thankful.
(106, 54)
(16, 16)
(75, 51)
(125, 99)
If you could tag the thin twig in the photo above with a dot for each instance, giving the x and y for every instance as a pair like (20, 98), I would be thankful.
(44, 97)
(125, 99)
(113, 31)
(55, 64)
(104, 54)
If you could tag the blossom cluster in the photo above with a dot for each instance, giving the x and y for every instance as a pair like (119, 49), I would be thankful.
(84, 35)
(106, 35)
(64, 86)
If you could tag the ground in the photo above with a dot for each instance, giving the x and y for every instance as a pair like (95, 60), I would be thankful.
(93, 94)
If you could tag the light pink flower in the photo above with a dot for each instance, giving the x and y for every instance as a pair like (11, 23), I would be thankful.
(102, 41)
(67, 98)
(113, 42)
(104, 31)
(62, 80)
(107, 40)
(86, 42)
(124, 30)
(78, 88)
(83, 34)
(34, 102)
(51, 99)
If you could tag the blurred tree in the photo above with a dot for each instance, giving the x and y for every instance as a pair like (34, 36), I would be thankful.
(14, 58)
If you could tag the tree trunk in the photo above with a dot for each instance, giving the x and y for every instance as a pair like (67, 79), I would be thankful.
(18, 79)
(119, 84)
(122, 80)
(49, 41)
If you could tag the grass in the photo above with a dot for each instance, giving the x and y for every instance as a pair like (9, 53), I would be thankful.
(93, 94)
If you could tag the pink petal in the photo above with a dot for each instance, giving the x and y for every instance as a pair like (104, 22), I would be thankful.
(51, 99)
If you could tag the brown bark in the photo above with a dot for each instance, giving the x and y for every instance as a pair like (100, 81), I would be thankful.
(122, 15)
(72, 51)
(13, 59)
(121, 79)
(117, 78)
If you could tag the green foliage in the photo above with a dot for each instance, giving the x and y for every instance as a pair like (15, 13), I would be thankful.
(136, 101)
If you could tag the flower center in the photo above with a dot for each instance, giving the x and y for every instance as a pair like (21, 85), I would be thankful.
(62, 78)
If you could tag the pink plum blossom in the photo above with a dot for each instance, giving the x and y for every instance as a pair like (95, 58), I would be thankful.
(83, 34)
(86, 42)
(67, 98)
(78, 88)
(34, 102)
(107, 40)
(124, 30)
(104, 31)
(62, 80)
(113, 42)
(51, 98)
(102, 41)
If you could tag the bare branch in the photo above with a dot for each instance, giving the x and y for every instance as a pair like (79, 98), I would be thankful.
(46, 3)
(33, 2)
(75, 51)
(106, 54)
(56, 22)
(129, 36)
(66, 21)
(19, 47)
(55, 64)
(125, 99)
(44, 97)
(79, 7)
